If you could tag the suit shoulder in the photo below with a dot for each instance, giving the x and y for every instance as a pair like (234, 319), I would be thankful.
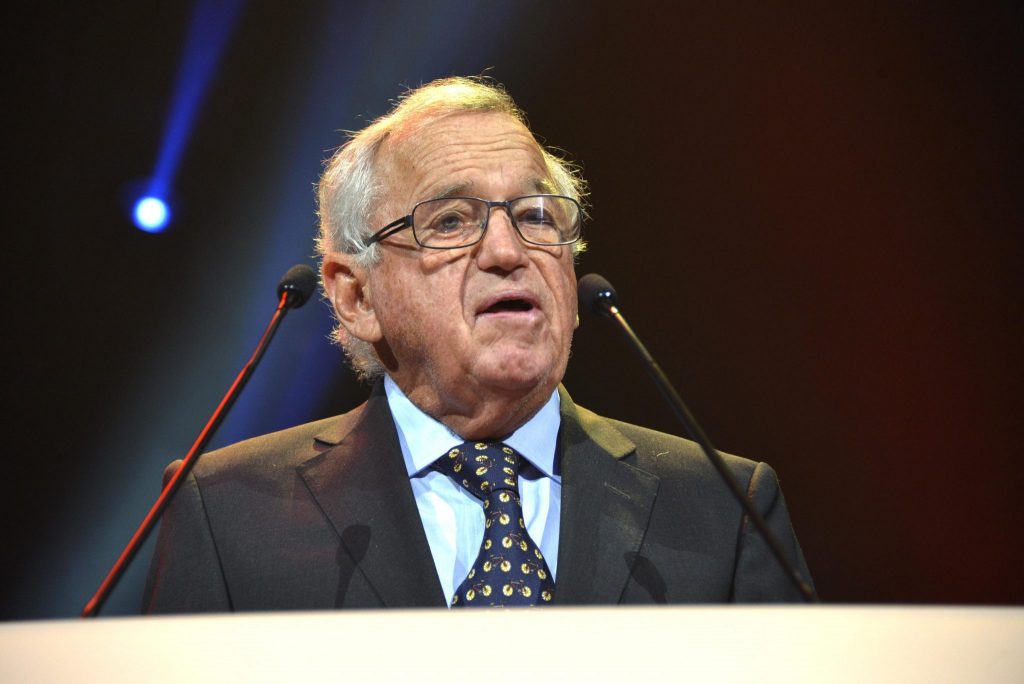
(277, 450)
(660, 451)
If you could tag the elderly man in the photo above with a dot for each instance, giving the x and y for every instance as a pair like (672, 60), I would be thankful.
(469, 477)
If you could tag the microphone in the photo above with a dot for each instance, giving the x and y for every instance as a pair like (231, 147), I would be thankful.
(596, 294)
(298, 282)
(293, 291)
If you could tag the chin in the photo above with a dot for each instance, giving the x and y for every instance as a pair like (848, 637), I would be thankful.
(519, 372)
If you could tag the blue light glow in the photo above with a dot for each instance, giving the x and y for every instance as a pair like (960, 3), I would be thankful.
(209, 28)
(151, 214)
(208, 33)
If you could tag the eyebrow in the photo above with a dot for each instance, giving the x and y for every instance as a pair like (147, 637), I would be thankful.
(454, 191)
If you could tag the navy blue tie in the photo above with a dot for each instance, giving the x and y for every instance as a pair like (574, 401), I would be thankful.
(510, 569)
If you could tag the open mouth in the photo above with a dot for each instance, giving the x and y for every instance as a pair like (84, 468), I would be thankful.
(509, 302)
(506, 305)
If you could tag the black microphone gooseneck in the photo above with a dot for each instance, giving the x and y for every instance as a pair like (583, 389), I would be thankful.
(293, 291)
(597, 295)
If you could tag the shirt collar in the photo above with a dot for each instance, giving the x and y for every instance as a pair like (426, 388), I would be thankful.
(424, 439)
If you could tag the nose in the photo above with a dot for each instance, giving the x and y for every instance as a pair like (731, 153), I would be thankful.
(501, 246)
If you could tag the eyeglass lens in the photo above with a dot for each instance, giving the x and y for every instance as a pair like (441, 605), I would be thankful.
(457, 221)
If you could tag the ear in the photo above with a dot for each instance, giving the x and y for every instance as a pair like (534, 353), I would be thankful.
(348, 289)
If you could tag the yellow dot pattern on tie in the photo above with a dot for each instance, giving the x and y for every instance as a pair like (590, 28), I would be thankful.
(510, 569)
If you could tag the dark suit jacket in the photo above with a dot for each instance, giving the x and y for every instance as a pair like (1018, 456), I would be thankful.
(323, 516)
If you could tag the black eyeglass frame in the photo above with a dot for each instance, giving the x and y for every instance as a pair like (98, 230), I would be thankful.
(401, 224)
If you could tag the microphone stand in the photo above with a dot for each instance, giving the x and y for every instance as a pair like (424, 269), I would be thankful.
(291, 296)
(603, 302)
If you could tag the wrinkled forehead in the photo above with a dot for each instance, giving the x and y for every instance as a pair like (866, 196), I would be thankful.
(432, 123)
(453, 154)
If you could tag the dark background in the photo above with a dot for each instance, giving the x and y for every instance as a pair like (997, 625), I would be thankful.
(811, 214)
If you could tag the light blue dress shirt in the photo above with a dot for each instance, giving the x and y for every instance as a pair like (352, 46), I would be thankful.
(452, 517)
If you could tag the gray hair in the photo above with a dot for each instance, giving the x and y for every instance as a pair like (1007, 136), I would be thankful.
(350, 187)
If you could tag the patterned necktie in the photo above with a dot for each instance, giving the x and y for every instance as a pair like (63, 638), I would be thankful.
(510, 569)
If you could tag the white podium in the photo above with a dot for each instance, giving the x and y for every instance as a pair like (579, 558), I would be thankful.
(670, 644)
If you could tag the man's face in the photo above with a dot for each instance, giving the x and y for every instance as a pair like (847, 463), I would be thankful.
(492, 319)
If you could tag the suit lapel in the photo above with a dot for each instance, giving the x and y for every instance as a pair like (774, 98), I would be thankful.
(362, 487)
(360, 483)
(606, 505)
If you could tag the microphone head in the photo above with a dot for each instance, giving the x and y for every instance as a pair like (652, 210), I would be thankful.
(299, 282)
(597, 294)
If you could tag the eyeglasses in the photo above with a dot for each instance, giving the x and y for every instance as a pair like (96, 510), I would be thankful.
(453, 222)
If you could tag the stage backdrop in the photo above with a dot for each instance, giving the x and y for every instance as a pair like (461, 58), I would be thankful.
(812, 215)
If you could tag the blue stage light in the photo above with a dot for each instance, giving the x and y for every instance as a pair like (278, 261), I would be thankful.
(208, 32)
(151, 214)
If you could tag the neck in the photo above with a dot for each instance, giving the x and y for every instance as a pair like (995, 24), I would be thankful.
(481, 416)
